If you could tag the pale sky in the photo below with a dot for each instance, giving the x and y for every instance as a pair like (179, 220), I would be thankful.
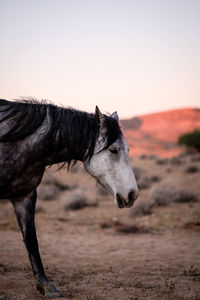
(135, 57)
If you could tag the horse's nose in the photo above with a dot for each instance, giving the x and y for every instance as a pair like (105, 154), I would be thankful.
(132, 196)
(126, 202)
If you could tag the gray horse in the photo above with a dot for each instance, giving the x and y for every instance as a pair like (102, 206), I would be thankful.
(34, 135)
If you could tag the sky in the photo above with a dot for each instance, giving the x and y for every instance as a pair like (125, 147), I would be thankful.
(130, 56)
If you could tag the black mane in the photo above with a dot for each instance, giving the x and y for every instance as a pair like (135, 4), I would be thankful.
(70, 129)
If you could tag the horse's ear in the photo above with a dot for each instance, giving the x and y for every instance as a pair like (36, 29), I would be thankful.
(99, 116)
(115, 116)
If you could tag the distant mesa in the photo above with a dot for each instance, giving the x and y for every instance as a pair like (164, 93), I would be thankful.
(158, 133)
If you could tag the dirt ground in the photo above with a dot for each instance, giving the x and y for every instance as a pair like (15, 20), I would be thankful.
(103, 253)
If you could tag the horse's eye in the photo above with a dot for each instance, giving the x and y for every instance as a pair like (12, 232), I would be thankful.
(113, 150)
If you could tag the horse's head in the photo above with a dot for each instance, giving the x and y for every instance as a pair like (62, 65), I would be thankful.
(110, 163)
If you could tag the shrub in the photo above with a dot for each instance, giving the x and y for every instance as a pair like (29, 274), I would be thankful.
(143, 208)
(175, 161)
(47, 193)
(132, 228)
(164, 194)
(185, 196)
(77, 202)
(191, 139)
(162, 161)
(191, 169)
(195, 157)
(155, 178)
(144, 181)
(143, 156)
(49, 180)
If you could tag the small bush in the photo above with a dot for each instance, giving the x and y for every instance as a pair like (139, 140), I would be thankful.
(78, 202)
(144, 181)
(191, 169)
(176, 161)
(49, 180)
(105, 225)
(161, 161)
(143, 156)
(162, 195)
(185, 197)
(168, 170)
(165, 194)
(155, 178)
(48, 192)
(191, 139)
(195, 158)
(133, 228)
(141, 209)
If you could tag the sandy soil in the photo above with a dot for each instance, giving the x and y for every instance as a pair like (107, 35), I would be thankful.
(104, 253)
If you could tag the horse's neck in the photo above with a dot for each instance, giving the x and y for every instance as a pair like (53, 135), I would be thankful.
(67, 147)
(62, 135)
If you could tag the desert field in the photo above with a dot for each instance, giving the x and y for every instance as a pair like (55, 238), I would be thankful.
(92, 250)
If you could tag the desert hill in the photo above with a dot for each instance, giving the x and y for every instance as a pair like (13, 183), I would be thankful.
(157, 133)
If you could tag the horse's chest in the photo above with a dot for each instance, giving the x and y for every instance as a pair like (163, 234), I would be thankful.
(20, 171)
(20, 183)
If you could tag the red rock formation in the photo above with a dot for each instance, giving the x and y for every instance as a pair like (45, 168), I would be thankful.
(158, 133)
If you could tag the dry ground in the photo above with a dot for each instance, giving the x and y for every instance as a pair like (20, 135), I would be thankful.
(104, 253)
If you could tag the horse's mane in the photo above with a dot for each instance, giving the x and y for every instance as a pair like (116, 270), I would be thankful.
(74, 129)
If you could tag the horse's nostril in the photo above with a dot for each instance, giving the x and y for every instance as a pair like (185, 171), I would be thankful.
(120, 201)
(131, 197)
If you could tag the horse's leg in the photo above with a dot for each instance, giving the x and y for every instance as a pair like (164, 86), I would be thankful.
(25, 211)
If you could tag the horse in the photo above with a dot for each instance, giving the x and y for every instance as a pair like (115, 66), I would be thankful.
(37, 134)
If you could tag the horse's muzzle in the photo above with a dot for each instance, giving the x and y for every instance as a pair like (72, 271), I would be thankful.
(122, 202)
